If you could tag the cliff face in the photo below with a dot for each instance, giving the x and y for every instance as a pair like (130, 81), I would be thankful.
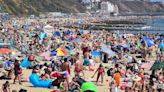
(18, 7)
(126, 6)
(37, 6)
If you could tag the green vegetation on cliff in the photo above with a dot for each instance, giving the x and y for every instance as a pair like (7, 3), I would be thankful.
(17, 7)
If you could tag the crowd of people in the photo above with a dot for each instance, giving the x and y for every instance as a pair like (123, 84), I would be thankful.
(130, 57)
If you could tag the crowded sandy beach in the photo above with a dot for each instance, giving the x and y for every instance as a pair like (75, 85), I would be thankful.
(42, 55)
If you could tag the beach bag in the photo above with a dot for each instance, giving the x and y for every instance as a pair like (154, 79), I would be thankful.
(31, 58)
(109, 72)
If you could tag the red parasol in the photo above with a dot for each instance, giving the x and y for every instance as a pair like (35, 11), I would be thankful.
(4, 50)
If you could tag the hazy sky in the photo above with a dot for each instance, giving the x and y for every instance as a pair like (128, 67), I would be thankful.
(158, 0)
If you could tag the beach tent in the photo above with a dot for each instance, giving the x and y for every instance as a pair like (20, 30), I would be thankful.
(96, 54)
(53, 53)
(159, 39)
(148, 41)
(56, 33)
(48, 29)
(108, 51)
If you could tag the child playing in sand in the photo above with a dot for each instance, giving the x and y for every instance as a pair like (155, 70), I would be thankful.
(101, 72)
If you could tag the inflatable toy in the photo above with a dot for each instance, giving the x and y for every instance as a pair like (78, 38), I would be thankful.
(37, 82)
(25, 63)
(89, 86)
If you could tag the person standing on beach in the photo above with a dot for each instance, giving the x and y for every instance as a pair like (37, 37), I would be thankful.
(101, 72)
(78, 66)
(65, 67)
(117, 75)
(17, 71)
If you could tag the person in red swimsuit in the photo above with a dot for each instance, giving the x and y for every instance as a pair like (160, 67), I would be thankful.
(101, 72)
(78, 68)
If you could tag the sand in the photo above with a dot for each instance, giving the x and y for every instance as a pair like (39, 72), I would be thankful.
(29, 88)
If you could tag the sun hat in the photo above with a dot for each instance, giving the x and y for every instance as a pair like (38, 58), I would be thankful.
(136, 78)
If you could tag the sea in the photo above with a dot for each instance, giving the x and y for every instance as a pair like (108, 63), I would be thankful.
(155, 25)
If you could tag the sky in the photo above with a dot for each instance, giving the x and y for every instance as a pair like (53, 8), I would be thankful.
(158, 0)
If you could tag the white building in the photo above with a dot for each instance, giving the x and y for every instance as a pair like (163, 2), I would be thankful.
(107, 7)
(96, 0)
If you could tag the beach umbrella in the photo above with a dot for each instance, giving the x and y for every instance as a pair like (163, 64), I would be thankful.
(4, 50)
(108, 51)
(89, 86)
(62, 52)
(157, 65)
